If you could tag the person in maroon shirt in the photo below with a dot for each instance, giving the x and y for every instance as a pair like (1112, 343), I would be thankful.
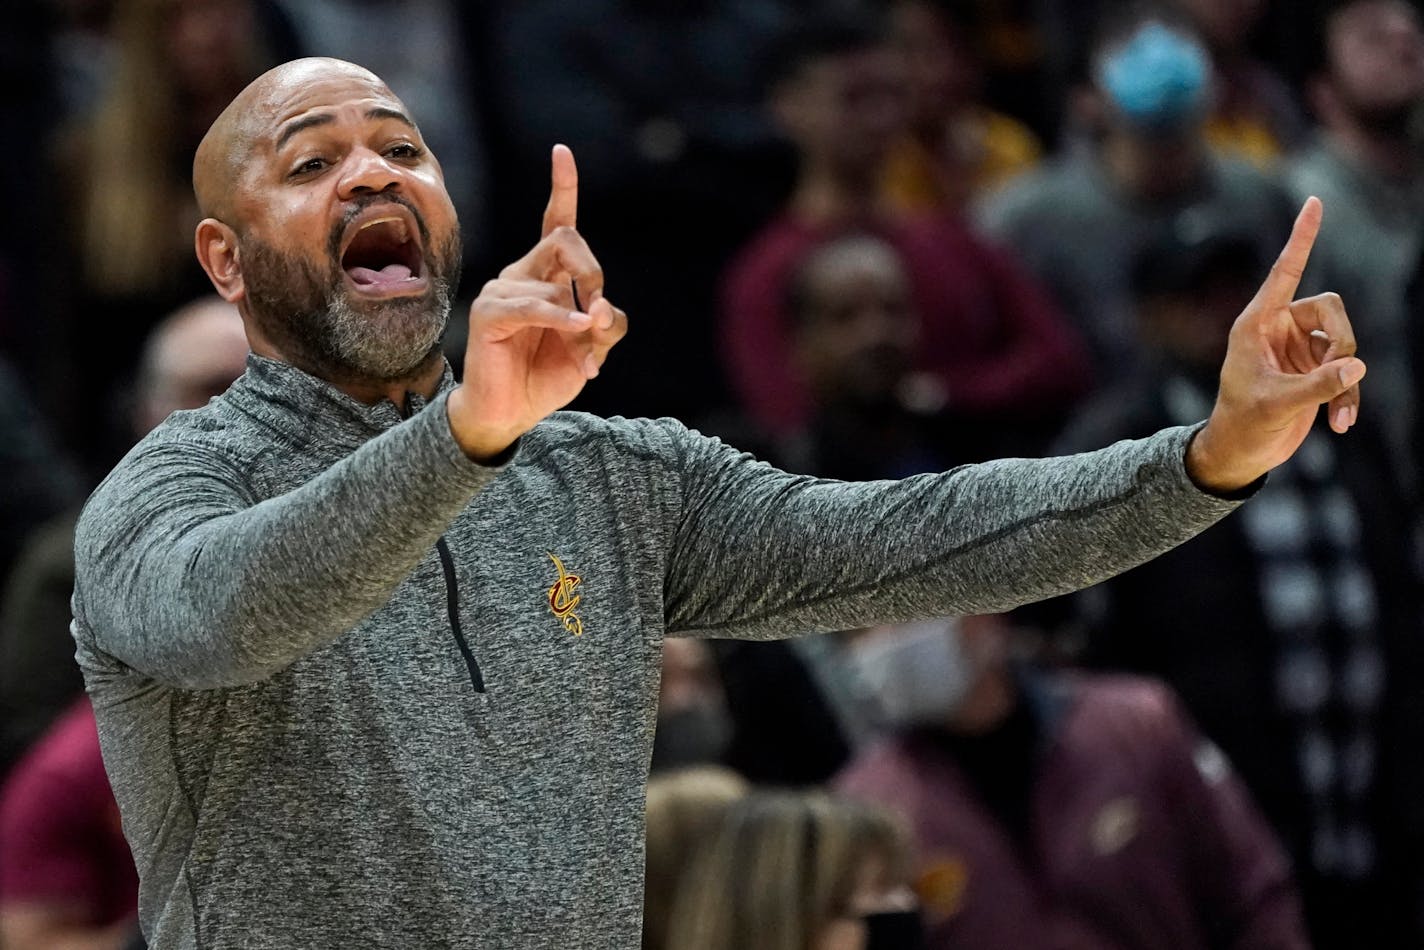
(1063, 811)
(67, 877)
(990, 335)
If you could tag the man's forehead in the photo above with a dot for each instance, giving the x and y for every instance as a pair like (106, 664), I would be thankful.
(323, 96)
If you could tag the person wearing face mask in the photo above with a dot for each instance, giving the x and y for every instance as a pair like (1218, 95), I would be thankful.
(1142, 162)
(1054, 809)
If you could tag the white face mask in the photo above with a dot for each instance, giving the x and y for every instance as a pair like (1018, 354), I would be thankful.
(917, 675)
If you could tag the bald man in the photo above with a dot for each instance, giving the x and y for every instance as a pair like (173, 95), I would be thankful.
(374, 656)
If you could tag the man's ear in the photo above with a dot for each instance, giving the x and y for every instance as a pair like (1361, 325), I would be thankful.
(216, 244)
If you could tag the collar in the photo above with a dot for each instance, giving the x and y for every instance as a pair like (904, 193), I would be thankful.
(306, 408)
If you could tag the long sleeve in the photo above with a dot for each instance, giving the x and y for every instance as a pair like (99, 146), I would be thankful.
(184, 576)
(760, 553)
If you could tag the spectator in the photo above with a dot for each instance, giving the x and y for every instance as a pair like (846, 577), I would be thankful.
(685, 809)
(1291, 633)
(956, 146)
(790, 871)
(1077, 222)
(1254, 114)
(67, 878)
(1056, 810)
(991, 337)
(190, 357)
(853, 336)
(1367, 166)
(128, 211)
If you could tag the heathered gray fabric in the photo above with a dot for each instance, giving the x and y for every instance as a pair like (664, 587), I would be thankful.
(297, 749)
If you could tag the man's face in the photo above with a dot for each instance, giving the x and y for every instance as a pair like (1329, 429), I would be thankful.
(854, 344)
(348, 242)
(1376, 55)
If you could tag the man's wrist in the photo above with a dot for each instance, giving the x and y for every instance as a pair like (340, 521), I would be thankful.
(1215, 471)
(481, 444)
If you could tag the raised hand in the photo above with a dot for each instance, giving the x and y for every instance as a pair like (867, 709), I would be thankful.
(1285, 357)
(538, 332)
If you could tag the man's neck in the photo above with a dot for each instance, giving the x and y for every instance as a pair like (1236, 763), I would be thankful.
(424, 380)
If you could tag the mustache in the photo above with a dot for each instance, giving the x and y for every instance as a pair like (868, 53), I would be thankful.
(363, 202)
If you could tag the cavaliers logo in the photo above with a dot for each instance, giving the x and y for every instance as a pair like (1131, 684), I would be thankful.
(564, 598)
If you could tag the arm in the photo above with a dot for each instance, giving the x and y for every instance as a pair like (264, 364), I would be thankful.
(760, 553)
(180, 575)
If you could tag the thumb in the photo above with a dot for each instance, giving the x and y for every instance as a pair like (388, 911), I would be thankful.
(1323, 383)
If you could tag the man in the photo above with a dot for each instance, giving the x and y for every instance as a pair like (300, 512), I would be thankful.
(374, 656)
(1054, 809)
(1368, 161)
(1076, 221)
(988, 334)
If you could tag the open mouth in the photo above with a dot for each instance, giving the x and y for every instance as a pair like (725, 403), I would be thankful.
(383, 256)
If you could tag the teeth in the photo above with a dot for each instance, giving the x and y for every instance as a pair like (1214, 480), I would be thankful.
(392, 219)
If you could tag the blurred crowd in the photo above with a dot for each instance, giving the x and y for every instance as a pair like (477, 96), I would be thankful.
(860, 239)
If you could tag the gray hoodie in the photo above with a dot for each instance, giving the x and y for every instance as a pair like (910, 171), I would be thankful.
(355, 690)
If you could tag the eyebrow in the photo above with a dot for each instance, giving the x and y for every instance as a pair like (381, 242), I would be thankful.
(326, 118)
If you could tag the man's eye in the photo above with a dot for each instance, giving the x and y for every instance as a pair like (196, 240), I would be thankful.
(310, 166)
(404, 150)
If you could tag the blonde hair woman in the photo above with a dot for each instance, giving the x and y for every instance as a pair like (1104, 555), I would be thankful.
(790, 871)
(685, 809)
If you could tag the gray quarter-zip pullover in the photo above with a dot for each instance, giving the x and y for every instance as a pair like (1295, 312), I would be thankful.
(355, 690)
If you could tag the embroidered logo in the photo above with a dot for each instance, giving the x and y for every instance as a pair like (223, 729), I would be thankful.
(564, 598)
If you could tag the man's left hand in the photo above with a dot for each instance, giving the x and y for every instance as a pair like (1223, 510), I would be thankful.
(1285, 357)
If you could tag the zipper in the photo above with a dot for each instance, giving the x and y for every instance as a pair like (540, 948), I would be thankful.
(452, 589)
(452, 599)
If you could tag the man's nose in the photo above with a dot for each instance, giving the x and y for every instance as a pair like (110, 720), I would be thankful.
(367, 172)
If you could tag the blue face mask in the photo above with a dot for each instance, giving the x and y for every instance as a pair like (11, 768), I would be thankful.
(894, 930)
(1157, 80)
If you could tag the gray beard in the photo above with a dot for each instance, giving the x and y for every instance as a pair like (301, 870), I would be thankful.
(313, 319)
(388, 345)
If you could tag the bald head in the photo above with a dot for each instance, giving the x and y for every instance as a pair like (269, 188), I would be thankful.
(189, 358)
(252, 122)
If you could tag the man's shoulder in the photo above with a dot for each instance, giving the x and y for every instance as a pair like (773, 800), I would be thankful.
(582, 435)
(216, 431)
(214, 439)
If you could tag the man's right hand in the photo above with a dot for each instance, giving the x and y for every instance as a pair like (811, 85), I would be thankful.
(531, 347)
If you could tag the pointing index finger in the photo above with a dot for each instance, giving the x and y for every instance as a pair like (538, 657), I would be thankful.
(1283, 280)
(562, 210)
